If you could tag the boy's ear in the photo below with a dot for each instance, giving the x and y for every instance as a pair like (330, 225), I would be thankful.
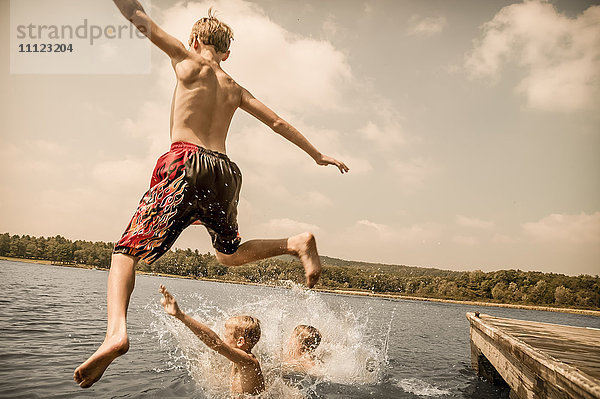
(241, 341)
(226, 55)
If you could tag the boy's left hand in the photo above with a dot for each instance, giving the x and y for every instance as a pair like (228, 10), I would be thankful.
(168, 302)
(325, 160)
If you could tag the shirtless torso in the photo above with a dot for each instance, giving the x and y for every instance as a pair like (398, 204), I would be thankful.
(204, 101)
(247, 378)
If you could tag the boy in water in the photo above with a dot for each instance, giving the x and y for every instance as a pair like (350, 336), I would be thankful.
(195, 182)
(241, 334)
(301, 347)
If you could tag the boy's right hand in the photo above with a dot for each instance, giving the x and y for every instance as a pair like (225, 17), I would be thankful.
(169, 303)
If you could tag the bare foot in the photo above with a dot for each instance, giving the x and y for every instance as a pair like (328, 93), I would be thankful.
(304, 247)
(92, 369)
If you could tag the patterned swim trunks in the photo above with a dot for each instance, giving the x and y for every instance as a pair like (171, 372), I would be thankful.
(189, 184)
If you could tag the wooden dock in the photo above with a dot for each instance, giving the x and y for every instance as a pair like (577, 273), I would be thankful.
(536, 360)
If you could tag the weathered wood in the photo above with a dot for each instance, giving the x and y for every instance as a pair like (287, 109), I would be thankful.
(537, 360)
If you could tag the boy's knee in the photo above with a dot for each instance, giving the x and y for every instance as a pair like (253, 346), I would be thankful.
(225, 260)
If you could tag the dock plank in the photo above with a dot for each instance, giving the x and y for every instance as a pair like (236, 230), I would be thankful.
(537, 360)
(575, 346)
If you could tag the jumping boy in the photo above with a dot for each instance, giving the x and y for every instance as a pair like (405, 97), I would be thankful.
(241, 334)
(195, 182)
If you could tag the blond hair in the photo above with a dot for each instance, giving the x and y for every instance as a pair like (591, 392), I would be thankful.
(247, 327)
(211, 31)
(308, 337)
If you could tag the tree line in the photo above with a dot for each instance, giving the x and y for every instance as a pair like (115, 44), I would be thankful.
(503, 286)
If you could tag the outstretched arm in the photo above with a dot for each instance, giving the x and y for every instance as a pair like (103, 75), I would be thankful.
(202, 331)
(134, 12)
(263, 113)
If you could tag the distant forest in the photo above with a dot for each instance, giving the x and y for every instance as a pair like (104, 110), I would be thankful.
(503, 286)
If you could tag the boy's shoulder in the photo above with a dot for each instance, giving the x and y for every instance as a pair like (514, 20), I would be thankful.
(250, 360)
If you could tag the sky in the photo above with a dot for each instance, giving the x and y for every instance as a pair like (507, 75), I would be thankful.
(471, 129)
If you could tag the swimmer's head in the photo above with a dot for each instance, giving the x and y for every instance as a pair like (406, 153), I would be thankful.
(305, 339)
(242, 332)
(210, 31)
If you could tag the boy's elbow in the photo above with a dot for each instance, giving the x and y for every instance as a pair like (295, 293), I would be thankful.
(278, 125)
(132, 12)
(215, 344)
(137, 16)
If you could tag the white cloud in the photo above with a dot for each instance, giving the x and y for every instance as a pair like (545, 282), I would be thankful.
(121, 173)
(412, 173)
(426, 26)
(559, 56)
(385, 130)
(468, 241)
(41, 161)
(371, 233)
(276, 65)
(286, 227)
(503, 239)
(315, 198)
(380, 229)
(466, 221)
(330, 27)
(46, 147)
(108, 51)
(384, 134)
(261, 147)
(566, 229)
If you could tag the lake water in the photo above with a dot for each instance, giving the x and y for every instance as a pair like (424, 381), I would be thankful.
(52, 318)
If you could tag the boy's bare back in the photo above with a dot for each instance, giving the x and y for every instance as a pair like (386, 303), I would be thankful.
(204, 102)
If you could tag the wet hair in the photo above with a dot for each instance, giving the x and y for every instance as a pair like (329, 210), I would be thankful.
(210, 31)
(308, 337)
(245, 326)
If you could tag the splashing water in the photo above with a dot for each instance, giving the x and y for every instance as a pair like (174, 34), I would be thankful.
(348, 354)
(421, 388)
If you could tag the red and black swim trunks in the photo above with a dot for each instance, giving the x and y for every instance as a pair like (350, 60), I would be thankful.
(189, 184)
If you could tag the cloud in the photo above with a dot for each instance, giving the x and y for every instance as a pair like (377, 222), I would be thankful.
(503, 239)
(36, 159)
(412, 173)
(468, 241)
(386, 235)
(466, 221)
(121, 173)
(380, 229)
(566, 229)
(108, 51)
(385, 130)
(276, 65)
(426, 26)
(384, 134)
(330, 27)
(315, 198)
(285, 227)
(558, 55)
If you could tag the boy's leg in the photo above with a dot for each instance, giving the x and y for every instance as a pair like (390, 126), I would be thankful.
(302, 245)
(121, 280)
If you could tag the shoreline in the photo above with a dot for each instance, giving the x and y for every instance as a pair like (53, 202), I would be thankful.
(587, 312)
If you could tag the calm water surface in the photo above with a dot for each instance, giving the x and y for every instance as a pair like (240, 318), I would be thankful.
(52, 318)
